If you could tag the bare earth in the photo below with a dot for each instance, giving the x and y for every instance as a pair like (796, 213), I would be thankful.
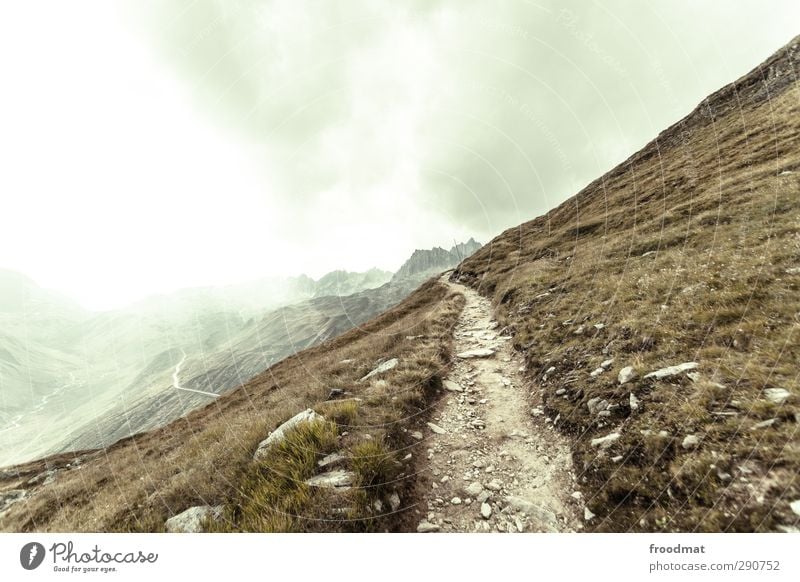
(498, 467)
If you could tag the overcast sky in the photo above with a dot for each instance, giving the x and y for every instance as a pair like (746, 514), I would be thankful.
(150, 145)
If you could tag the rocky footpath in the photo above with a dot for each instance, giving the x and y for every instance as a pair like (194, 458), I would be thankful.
(490, 466)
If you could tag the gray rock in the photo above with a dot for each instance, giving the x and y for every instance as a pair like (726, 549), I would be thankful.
(10, 497)
(382, 368)
(476, 353)
(672, 371)
(427, 527)
(587, 514)
(473, 489)
(486, 510)
(606, 441)
(626, 374)
(596, 372)
(777, 395)
(456, 501)
(764, 424)
(452, 386)
(494, 485)
(279, 433)
(331, 460)
(546, 518)
(596, 405)
(394, 501)
(690, 441)
(191, 520)
(483, 496)
(417, 435)
(336, 479)
(634, 402)
(606, 364)
(436, 428)
(795, 506)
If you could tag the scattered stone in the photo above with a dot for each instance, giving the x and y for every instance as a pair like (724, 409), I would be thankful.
(494, 485)
(473, 489)
(777, 395)
(277, 435)
(436, 428)
(596, 405)
(560, 391)
(546, 518)
(452, 386)
(550, 370)
(394, 501)
(476, 353)
(587, 514)
(606, 441)
(486, 510)
(332, 459)
(384, 367)
(191, 520)
(427, 527)
(335, 393)
(671, 371)
(576, 495)
(456, 501)
(9, 498)
(483, 496)
(690, 441)
(606, 364)
(616, 459)
(764, 424)
(579, 331)
(626, 374)
(417, 435)
(596, 372)
(634, 402)
(795, 506)
(337, 479)
(599, 326)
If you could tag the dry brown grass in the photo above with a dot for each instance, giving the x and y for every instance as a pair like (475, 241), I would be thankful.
(685, 253)
(206, 457)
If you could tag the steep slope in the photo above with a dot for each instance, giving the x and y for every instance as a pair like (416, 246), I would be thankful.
(686, 253)
(207, 456)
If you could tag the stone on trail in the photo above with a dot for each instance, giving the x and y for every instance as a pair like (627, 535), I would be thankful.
(486, 510)
(476, 353)
(427, 527)
(436, 428)
(452, 386)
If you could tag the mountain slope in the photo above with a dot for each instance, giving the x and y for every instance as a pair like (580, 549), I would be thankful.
(688, 252)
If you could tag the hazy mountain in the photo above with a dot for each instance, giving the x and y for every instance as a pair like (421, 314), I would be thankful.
(74, 379)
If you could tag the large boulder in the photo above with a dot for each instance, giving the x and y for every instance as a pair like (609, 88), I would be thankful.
(337, 479)
(191, 520)
(277, 435)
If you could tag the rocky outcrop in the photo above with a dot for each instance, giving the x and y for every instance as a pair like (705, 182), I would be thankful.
(436, 260)
(193, 519)
(279, 433)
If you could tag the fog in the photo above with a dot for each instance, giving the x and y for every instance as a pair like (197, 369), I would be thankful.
(156, 145)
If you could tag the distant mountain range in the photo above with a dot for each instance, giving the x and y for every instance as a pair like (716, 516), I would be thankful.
(72, 379)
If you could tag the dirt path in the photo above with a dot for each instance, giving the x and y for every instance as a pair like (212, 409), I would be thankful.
(493, 465)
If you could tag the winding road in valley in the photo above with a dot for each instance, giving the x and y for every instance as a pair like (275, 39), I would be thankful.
(176, 381)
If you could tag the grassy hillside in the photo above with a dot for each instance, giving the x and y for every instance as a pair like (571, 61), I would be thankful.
(687, 252)
(206, 457)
